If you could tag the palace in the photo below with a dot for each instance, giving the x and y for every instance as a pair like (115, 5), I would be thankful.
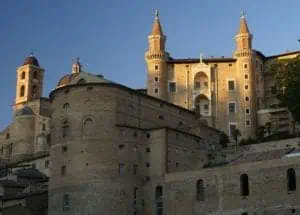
(98, 147)
(228, 92)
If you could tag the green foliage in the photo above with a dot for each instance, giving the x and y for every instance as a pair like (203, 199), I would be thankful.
(248, 141)
(287, 80)
(224, 139)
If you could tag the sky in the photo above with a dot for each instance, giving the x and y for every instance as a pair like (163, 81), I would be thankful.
(110, 36)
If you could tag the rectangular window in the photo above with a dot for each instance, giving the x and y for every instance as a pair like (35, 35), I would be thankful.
(46, 163)
(231, 85)
(246, 87)
(245, 66)
(246, 76)
(232, 127)
(172, 87)
(248, 123)
(247, 111)
(63, 170)
(135, 166)
(156, 67)
(231, 107)
(156, 79)
(121, 169)
(156, 90)
(206, 106)
(66, 202)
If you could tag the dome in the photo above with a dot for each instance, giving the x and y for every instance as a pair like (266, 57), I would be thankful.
(25, 111)
(65, 80)
(31, 60)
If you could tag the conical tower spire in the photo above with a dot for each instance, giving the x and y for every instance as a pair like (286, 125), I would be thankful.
(243, 29)
(157, 29)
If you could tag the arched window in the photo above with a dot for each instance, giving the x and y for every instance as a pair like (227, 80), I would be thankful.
(66, 129)
(88, 126)
(23, 75)
(244, 183)
(34, 91)
(291, 179)
(35, 75)
(66, 107)
(200, 190)
(81, 81)
(22, 91)
(200, 81)
(159, 200)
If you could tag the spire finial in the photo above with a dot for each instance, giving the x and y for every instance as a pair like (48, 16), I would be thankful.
(201, 58)
(243, 14)
(156, 14)
(31, 53)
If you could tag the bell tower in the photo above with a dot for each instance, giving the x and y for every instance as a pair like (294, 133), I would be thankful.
(156, 57)
(245, 75)
(29, 81)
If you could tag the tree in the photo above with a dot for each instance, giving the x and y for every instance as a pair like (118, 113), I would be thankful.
(224, 139)
(287, 82)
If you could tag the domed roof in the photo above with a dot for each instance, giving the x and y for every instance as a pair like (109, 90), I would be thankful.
(81, 78)
(65, 80)
(31, 60)
(25, 111)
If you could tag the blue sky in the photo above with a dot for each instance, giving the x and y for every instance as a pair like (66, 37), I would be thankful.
(110, 36)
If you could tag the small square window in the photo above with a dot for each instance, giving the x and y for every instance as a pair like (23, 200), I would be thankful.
(231, 107)
(247, 98)
(148, 150)
(156, 79)
(231, 85)
(156, 90)
(64, 148)
(246, 76)
(177, 164)
(172, 87)
(245, 66)
(246, 87)
(230, 65)
(148, 164)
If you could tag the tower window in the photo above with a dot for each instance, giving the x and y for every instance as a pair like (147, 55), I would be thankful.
(156, 67)
(159, 200)
(231, 85)
(248, 122)
(247, 98)
(156, 79)
(23, 75)
(35, 75)
(245, 66)
(291, 179)
(244, 183)
(172, 87)
(34, 91)
(63, 170)
(66, 129)
(156, 90)
(246, 87)
(247, 111)
(88, 126)
(66, 202)
(200, 190)
(22, 91)
(121, 169)
(135, 166)
(66, 107)
(230, 65)
(246, 76)
(231, 107)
